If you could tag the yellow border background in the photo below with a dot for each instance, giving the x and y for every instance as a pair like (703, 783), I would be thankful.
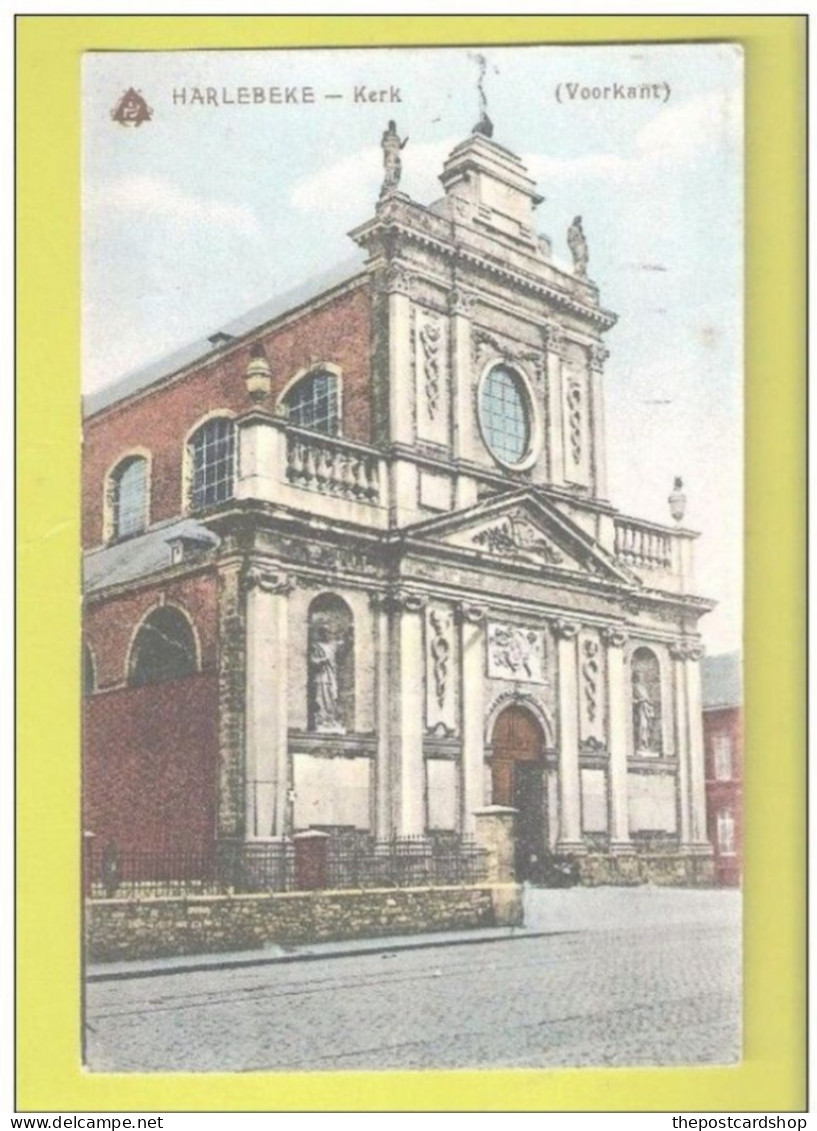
(773, 1073)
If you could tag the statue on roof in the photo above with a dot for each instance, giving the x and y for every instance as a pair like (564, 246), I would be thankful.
(484, 126)
(578, 248)
(391, 145)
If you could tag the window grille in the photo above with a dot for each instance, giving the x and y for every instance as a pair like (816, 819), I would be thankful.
(313, 403)
(129, 497)
(505, 414)
(212, 455)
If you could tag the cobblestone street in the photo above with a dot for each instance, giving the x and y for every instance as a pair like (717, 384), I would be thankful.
(628, 977)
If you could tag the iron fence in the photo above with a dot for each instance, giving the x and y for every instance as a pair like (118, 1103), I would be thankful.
(345, 861)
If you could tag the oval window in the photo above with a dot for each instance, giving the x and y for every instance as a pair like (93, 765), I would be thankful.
(505, 415)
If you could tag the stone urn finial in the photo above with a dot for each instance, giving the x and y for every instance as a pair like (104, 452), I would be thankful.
(677, 500)
(258, 375)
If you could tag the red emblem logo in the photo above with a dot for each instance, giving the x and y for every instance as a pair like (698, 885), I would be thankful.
(131, 109)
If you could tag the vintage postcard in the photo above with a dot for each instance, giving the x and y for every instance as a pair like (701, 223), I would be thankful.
(410, 733)
(412, 463)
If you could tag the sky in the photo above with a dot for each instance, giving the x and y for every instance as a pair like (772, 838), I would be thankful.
(205, 211)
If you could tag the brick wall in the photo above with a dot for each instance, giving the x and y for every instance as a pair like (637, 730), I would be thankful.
(129, 929)
(150, 764)
(338, 332)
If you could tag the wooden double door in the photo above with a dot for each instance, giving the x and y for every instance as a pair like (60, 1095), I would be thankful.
(518, 779)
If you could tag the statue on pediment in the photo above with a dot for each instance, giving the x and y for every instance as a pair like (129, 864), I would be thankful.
(391, 144)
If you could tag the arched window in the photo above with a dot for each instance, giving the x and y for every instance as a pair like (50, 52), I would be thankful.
(88, 673)
(646, 685)
(505, 415)
(211, 451)
(128, 497)
(726, 832)
(331, 662)
(164, 648)
(313, 403)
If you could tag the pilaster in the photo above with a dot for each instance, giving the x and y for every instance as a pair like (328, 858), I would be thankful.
(266, 725)
(461, 308)
(472, 709)
(554, 346)
(598, 356)
(617, 699)
(383, 827)
(570, 831)
(406, 692)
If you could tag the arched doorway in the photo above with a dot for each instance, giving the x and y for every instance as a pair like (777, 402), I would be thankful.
(518, 779)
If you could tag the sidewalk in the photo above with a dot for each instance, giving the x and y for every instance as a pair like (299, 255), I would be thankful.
(277, 954)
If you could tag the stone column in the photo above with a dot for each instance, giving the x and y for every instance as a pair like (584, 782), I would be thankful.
(472, 710)
(495, 833)
(231, 700)
(570, 830)
(554, 345)
(617, 703)
(400, 377)
(266, 726)
(598, 356)
(407, 713)
(678, 654)
(383, 827)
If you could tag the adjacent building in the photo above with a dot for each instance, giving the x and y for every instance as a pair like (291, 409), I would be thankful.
(723, 746)
(351, 564)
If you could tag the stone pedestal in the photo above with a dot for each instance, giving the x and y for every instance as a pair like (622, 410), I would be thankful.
(495, 833)
(311, 866)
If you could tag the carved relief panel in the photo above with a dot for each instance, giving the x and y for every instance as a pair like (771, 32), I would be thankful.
(431, 375)
(441, 670)
(592, 705)
(516, 653)
(576, 414)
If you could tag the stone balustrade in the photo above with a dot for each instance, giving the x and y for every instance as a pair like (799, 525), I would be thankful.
(644, 545)
(332, 467)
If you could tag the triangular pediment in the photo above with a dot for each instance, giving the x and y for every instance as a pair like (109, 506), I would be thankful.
(521, 528)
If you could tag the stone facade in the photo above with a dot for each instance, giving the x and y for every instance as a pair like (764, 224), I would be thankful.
(423, 602)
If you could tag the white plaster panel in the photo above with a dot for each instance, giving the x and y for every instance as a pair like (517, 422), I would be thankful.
(331, 791)
(651, 799)
(441, 785)
(576, 412)
(436, 491)
(594, 801)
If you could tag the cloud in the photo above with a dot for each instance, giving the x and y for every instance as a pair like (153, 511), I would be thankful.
(358, 176)
(158, 198)
(675, 136)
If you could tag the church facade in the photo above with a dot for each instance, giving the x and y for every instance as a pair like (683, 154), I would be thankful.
(352, 564)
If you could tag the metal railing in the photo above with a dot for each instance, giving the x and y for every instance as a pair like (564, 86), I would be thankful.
(347, 861)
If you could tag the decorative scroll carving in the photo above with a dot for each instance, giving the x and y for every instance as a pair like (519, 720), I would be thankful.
(430, 335)
(471, 614)
(485, 343)
(515, 652)
(590, 676)
(553, 338)
(398, 280)
(440, 669)
(440, 651)
(574, 418)
(592, 745)
(398, 600)
(267, 580)
(516, 536)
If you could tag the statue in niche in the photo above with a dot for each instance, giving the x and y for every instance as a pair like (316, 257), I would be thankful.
(391, 145)
(577, 243)
(323, 682)
(643, 712)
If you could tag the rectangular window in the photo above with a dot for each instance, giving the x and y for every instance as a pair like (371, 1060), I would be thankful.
(722, 757)
(726, 833)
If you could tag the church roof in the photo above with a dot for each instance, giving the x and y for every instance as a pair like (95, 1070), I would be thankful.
(142, 555)
(196, 351)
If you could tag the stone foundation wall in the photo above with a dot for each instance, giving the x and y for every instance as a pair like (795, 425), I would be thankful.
(118, 929)
(646, 868)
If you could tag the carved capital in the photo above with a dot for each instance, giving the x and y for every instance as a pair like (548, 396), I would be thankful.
(553, 338)
(397, 279)
(597, 354)
(565, 629)
(686, 650)
(470, 614)
(267, 580)
(613, 637)
(461, 302)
